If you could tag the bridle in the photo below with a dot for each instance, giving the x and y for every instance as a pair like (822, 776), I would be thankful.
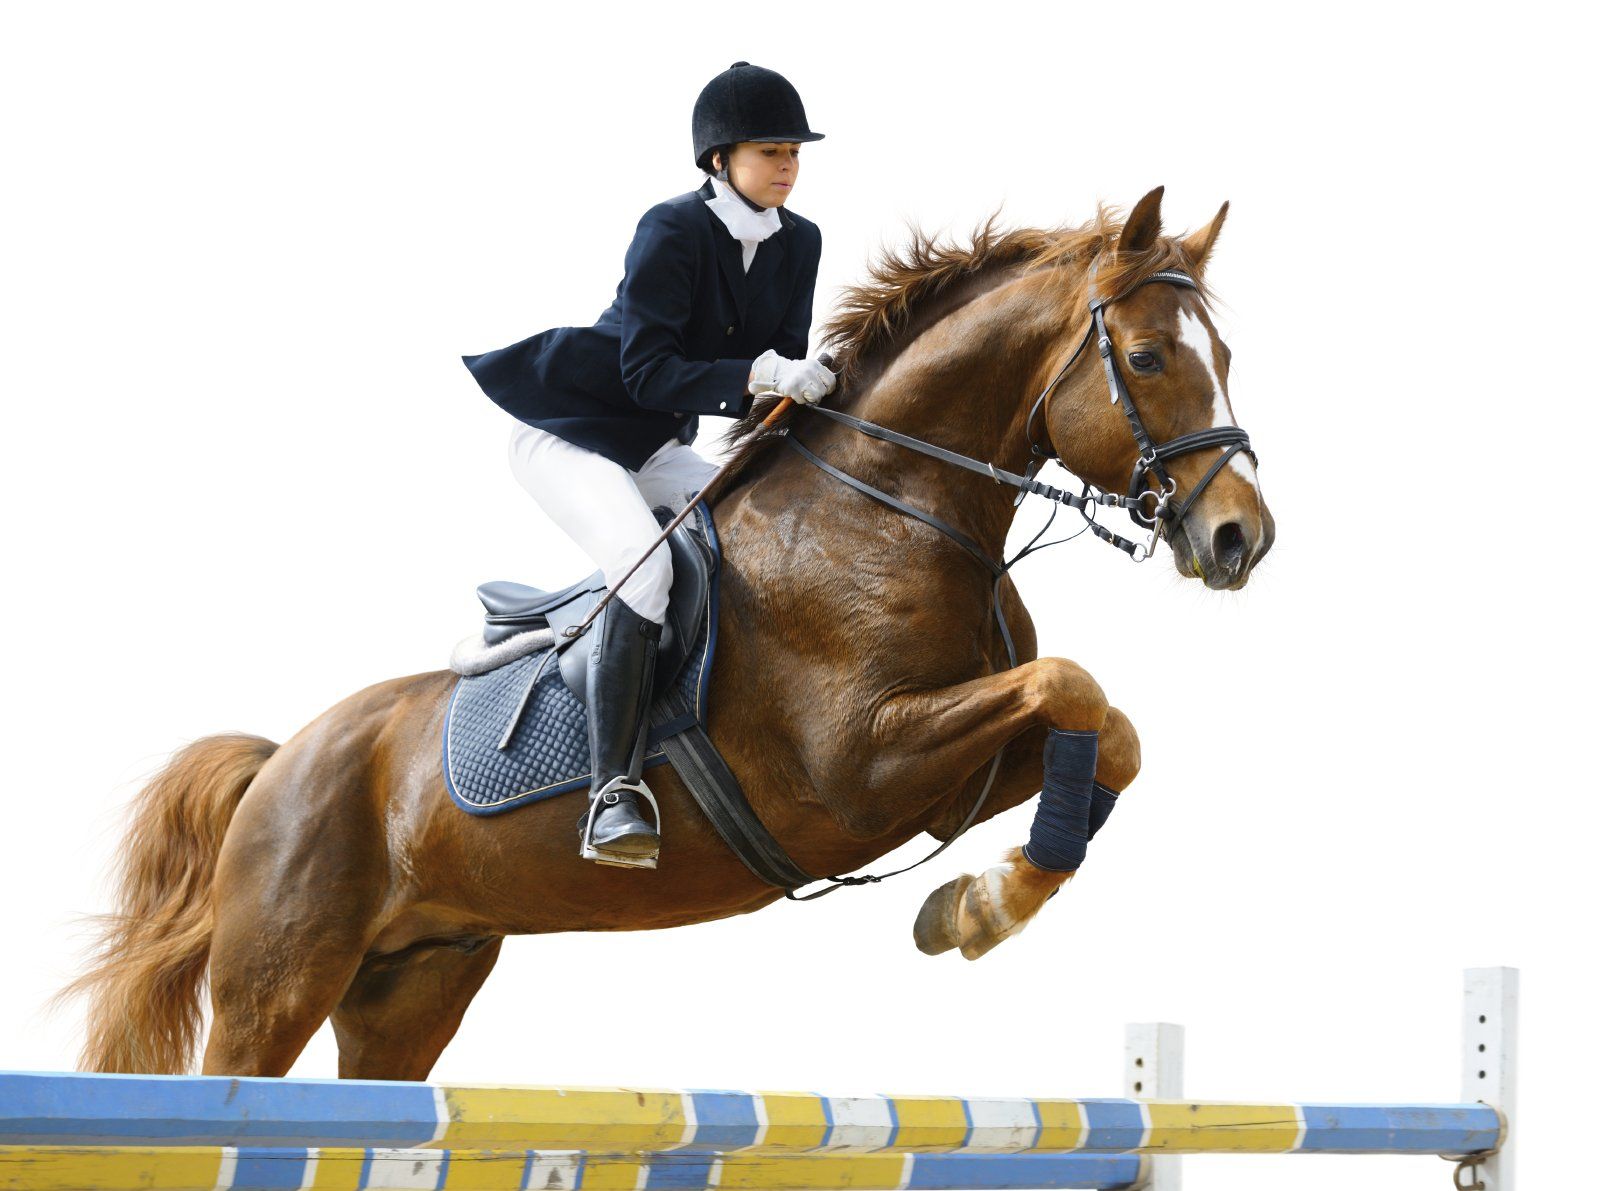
(1150, 459)
(1166, 514)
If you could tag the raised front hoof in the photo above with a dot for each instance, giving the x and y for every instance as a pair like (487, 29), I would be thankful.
(984, 918)
(979, 942)
(974, 914)
(935, 929)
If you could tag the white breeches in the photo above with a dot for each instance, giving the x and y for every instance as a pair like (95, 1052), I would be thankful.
(604, 508)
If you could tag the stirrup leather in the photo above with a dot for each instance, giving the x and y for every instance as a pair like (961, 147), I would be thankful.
(609, 796)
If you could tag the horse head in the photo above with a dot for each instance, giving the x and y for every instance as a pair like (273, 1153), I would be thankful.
(1147, 412)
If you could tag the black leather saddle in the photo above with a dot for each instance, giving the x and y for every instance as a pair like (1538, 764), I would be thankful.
(514, 608)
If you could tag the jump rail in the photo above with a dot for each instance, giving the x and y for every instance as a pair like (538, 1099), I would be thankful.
(110, 1132)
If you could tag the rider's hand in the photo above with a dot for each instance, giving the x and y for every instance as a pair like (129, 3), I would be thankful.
(805, 381)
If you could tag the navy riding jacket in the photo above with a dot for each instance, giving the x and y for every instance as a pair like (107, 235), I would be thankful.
(677, 342)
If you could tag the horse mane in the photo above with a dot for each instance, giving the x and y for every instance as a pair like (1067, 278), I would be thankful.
(876, 316)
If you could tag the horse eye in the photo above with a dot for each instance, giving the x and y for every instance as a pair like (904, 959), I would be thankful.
(1144, 361)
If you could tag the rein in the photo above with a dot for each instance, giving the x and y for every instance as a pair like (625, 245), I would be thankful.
(1150, 461)
(998, 571)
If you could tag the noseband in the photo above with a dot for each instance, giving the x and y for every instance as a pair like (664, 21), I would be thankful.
(1166, 513)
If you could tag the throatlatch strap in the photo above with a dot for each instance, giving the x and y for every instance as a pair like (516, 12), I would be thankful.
(1062, 823)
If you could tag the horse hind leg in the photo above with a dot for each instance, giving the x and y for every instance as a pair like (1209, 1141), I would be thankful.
(301, 878)
(403, 1008)
(974, 914)
(274, 982)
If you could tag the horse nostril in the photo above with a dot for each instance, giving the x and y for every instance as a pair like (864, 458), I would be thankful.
(1228, 545)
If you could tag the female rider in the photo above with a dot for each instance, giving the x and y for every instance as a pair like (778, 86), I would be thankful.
(714, 308)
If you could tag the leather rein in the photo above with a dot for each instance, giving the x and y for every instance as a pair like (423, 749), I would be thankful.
(1165, 513)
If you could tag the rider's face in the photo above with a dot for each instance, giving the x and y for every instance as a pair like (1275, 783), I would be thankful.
(765, 173)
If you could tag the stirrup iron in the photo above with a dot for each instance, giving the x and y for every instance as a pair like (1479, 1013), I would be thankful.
(608, 797)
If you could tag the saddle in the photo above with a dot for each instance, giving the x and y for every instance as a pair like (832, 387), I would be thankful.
(517, 733)
(514, 608)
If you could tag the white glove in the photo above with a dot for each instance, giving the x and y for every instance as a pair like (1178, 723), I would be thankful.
(805, 381)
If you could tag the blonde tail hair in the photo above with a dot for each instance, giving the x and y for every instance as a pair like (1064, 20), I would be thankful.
(146, 974)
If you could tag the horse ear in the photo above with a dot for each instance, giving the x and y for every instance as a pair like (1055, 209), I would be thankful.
(1144, 225)
(1201, 243)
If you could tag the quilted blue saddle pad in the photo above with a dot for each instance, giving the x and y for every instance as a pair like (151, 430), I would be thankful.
(549, 752)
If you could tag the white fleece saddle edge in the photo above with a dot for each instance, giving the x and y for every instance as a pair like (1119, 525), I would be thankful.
(474, 656)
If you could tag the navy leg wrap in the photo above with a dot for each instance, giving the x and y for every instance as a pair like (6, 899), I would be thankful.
(1061, 826)
(1102, 802)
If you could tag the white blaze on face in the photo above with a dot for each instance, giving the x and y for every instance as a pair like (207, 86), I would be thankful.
(1193, 336)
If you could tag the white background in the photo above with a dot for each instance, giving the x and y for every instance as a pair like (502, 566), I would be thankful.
(246, 474)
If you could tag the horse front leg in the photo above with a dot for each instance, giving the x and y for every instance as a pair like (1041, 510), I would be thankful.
(1089, 754)
(975, 913)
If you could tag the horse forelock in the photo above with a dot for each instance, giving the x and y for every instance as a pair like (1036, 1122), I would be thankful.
(877, 317)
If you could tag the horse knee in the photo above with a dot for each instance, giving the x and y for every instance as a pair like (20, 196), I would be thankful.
(1068, 697)
(1119, 751)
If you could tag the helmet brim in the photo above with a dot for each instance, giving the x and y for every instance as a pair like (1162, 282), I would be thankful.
(793, 138)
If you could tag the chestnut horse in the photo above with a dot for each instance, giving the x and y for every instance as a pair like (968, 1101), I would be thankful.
(861, 689)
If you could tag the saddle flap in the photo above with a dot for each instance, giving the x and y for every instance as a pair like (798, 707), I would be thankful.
(517, 732)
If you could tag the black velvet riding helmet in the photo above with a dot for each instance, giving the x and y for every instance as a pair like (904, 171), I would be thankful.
(747, 103)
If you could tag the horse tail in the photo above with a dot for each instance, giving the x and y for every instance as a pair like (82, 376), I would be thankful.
(145, 980)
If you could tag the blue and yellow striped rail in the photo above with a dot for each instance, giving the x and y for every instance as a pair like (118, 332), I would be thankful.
(123, 1131)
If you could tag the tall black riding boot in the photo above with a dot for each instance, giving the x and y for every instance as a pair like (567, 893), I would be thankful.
(621, 675)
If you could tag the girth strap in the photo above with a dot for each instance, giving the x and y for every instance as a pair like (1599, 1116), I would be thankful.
(720, 797)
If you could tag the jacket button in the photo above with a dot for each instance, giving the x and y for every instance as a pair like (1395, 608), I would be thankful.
(722, 405)
(730, 330)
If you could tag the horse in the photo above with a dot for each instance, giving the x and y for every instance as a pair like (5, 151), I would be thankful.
(863, 694)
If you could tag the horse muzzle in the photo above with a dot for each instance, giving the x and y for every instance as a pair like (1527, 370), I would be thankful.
(1222, 550)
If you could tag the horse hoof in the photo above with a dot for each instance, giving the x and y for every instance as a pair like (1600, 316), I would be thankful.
(982, 919)
(978, 945)
(935, 929)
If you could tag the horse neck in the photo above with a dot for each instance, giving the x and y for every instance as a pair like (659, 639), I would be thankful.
(967, 389)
